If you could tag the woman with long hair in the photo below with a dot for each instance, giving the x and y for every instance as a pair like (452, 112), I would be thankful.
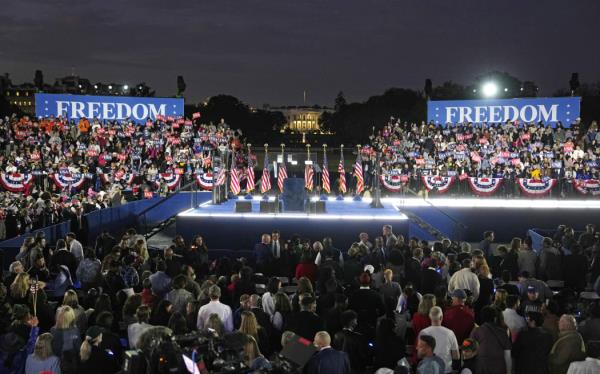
(178, 324)
(19, 289)
(486, 289)
(252, 356)
(420, 320)
(304, 286)
(71, 299)
(130, 307)
(103, 304)
(43, 358)
(250, 326)
(66, 339)
(283, 308)
(214, 323)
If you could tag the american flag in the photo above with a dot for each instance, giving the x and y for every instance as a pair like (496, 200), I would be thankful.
(358, 173)
(220, 177)
(250, 172)
(266, 177)
(342, 172)
(281, 175)
(234, 185)
(308, 177)
(325, 175)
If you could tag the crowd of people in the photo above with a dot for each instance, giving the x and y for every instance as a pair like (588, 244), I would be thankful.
(118, 161)
(387, 304)
(508, 151)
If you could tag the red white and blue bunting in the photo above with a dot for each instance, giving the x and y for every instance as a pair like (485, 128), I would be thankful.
(171, 179)
(394, 182)
(15, 182)
(536, 187)
(117, 177)
(484, 186)
(66, 181)
(205, 180)
(438, 183)
(590, 186)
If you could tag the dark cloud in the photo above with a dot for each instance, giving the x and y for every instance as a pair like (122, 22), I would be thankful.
(269, 51)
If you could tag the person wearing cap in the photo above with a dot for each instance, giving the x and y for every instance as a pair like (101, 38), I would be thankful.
(532, 346)
(446, 346)
(468, 351)
(569, 346)
(532, 302)
(458, 317)
(527, 280)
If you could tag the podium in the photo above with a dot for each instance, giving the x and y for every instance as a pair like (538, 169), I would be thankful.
(294, 195)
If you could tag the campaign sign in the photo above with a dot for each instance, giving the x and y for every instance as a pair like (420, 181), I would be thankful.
(549, 110)
(116, 108)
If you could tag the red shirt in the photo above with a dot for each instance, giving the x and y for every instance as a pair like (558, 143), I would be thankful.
(419, 322)
(461, 320)
(306, 270)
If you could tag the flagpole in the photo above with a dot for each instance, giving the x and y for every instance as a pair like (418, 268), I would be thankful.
(266, 145)
(249, 170)
(324, 166)
(341, 194)
(356, 177)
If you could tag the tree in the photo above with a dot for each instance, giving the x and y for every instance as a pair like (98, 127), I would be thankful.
(38, 80)
(340, 101)
(449, 91)
(180, 85)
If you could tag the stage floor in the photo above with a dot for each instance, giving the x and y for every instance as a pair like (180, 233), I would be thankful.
(344, 219)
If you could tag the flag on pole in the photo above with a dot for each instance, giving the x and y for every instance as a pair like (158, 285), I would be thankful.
(308, 177)
(281, 176)
(325, 175)
(220, 177)
(250, 172)
(265, 185)
(358, 173)
(342, 172)
(234, 185)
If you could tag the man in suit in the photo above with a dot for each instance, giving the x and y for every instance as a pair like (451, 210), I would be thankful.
(264, 256)
(327, 360)
(413, 268)
(276, 248)
(389, 238)
(79, 225)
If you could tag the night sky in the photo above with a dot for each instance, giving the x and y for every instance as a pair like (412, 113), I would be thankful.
(269, 51)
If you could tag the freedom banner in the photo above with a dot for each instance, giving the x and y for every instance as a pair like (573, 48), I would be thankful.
(484, 186)
(536, 187)
(549, 110)
(113, 108)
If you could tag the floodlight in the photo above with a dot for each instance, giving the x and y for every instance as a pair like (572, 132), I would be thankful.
(125, 87)
(489, 89)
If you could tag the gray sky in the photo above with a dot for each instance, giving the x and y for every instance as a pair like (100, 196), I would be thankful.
(269, 51)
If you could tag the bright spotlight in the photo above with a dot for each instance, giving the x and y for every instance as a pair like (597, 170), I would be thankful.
(110, 87)
(125, 87)
(489, 89)
(95, 86)
(506, 90)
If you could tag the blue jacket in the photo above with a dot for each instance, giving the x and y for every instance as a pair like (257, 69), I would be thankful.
(328, 361)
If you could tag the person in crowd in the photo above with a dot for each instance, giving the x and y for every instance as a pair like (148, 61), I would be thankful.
(465, 279)
(458, 317)
(575, 268)
(179, 296)
(327, 359)
(510, 261)
(264, 256)
(66, 339)
(74, 246)
(446, 345)
(306, 268)
(161, 282)
(511, 317)
(569, 346)
(532, 302)
(250, 326)
(353, 343)
(268, 298)
(494, 353)
(71, 299)
(486, 244)
(215, 306)
(42, 359)
(532, 346)
(429, 363)
(305, 323)
(161, 313)
(368, 303)
(590, 330)
(253, 356)
(135, 330)
(486, 288)
(550, 266)
(89, 270)
(94, 359)
(527, 259)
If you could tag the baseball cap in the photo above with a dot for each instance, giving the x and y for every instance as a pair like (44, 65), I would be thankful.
(469, 344)
(459, 294)
(93, 332)
(531, 289)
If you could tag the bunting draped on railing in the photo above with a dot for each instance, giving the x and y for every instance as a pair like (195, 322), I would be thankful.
(536, 187)
(205, 180)
(68, 180)
(171, 179)
(484, 186)
(584, 187)
(117, 177)
(394, 182)
(15, 182)
(437, 183)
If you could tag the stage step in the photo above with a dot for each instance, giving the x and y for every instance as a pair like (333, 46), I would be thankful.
(424, 225)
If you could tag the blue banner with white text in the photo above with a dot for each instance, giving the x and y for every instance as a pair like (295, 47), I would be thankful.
(111, 108)
(549, 110)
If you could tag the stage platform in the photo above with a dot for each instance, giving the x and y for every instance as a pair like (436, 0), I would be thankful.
(456, 218)
(344, 219)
